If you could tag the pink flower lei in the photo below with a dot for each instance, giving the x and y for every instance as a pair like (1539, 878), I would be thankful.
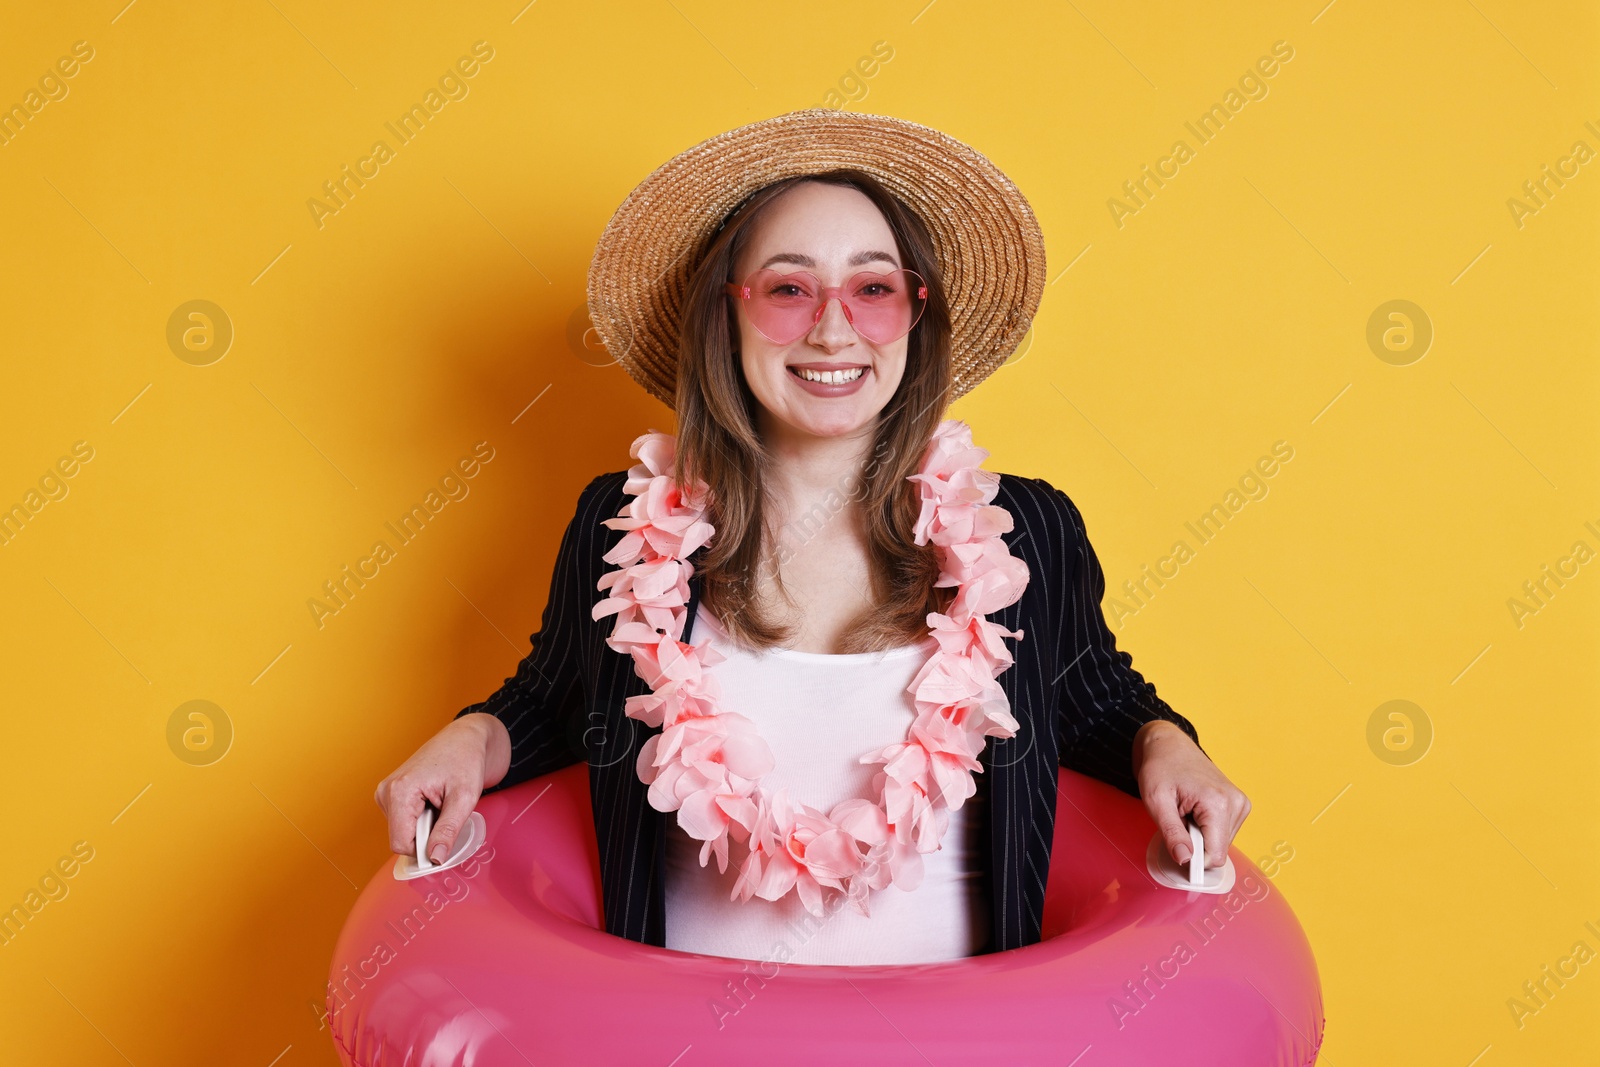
(707, 763)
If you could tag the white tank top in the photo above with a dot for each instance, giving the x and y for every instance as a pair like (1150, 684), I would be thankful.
(820, 714)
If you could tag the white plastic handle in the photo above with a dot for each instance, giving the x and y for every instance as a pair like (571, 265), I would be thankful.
(1167, 871)
(424, 828)
(1197, 856)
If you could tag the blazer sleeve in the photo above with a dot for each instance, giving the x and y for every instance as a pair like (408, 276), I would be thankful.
(542, 703)
(1105, 700)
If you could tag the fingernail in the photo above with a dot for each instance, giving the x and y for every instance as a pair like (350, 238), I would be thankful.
(1183, 853)
(437, 855)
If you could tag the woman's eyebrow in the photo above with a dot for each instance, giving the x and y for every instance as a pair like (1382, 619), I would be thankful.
(803, 260)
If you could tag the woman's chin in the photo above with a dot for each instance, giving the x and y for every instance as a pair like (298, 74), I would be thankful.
(833, 419)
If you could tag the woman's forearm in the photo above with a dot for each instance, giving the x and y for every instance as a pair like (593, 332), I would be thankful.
(496, 744)
(1154, 732)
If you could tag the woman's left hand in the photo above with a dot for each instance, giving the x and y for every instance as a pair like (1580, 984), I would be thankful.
(1176, 778)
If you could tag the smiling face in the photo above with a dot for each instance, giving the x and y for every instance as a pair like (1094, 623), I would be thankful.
(834, 232)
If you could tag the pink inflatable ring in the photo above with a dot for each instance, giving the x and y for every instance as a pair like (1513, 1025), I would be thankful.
(504, 960)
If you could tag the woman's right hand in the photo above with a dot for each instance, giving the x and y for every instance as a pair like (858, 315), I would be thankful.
(450, 770)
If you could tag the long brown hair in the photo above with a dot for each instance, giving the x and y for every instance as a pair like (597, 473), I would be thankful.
(719, 444)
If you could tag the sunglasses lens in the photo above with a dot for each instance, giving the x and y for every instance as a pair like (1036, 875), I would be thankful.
(885, 306)
(881, 307)
(782, 306)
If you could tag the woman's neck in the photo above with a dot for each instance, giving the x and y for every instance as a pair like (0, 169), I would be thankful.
(806, 469)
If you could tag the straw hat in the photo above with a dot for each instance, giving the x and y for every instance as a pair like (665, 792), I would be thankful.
(985, 236)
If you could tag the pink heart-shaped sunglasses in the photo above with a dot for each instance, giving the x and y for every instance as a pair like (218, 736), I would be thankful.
(882, 307)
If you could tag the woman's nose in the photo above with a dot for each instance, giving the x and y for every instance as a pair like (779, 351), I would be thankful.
(832, 328)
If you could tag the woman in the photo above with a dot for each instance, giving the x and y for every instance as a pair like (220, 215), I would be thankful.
(857, 585)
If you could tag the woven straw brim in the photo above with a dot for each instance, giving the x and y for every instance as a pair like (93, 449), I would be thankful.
(984, 233)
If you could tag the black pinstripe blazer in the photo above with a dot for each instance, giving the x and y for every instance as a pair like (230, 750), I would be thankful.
(1078, 699)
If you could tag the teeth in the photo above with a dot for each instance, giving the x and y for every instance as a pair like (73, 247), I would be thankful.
(830, 377)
